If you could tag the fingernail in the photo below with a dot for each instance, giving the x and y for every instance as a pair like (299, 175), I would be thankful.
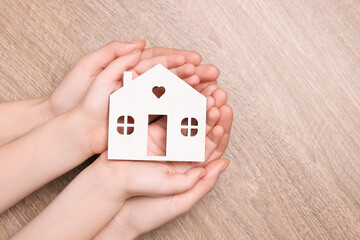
(225, 165)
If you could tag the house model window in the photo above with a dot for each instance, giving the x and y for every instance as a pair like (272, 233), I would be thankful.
(157, 93)
(189, 128)
(125, 125)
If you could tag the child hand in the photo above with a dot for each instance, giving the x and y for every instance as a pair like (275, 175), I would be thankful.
(76, 83)
(93, 110)
(140, 215)
(121, 180)
(73, 88)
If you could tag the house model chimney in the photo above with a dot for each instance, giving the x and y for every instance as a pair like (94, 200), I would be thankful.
(127, 78)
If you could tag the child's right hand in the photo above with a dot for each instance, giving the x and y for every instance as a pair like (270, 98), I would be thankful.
(73, 88)
(92, 112)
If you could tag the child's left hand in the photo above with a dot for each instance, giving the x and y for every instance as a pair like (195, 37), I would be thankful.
(140, 215)
(92, 112)
(73, 88)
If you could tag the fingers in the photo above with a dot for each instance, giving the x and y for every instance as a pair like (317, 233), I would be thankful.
(208, 94)
(220, 97)
(202, 85)
(160, 179)
(107, 81)
(192, 80)
(143, 214)
(169, 61)
(209, 90)
(102, 57)
(114, 71)
(219, 94)
(184, 71)
(225, 120)
(212, 140)
(210, 102)
(181, 182)
(207, 76)
(190, 56)
(212, 117)
(207, 73)
(183, 202)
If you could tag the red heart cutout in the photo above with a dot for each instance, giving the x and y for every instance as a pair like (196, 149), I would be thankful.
(158, 91)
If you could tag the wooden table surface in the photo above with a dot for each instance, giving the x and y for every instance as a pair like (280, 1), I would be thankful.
(292, 71)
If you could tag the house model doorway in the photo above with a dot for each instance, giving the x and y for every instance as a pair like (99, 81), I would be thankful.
(161, 139)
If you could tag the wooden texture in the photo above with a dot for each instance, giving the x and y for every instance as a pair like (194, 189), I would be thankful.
(292, 71)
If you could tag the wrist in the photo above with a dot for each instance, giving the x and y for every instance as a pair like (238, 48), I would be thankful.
(126, 232)
(79, 133)
(110, 175)
(124, 227)
(40, 109)
(44, 110)
(117, 228)
(93, 127)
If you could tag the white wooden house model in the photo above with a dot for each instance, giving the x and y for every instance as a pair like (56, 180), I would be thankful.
(157, 92)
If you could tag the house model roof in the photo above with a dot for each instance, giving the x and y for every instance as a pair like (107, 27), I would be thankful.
(160, 75)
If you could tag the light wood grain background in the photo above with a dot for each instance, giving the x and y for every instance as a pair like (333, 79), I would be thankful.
(292, 71)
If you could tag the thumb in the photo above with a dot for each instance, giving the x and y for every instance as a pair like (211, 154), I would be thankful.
(108, 79)
(114, 71)
(97, 97)
(102, 57)
(185, 201)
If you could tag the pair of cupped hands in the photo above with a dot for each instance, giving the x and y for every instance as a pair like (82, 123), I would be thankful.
(140, 195)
